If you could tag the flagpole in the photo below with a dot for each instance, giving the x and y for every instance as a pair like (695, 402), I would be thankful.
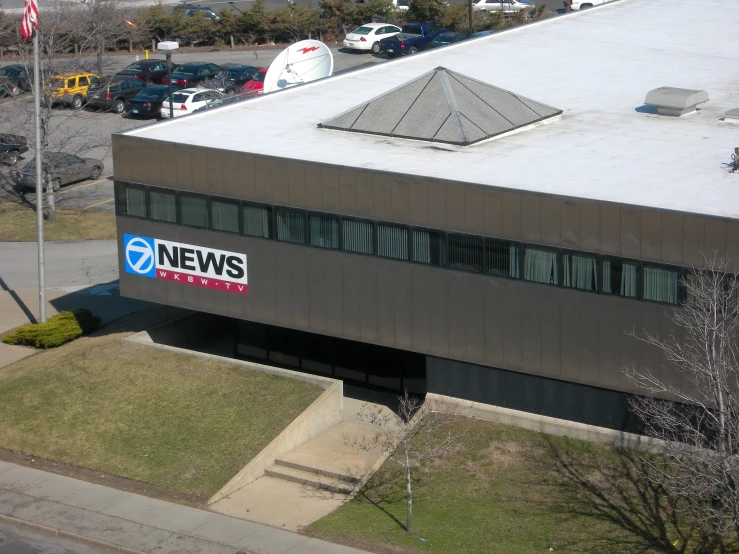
(39, 181)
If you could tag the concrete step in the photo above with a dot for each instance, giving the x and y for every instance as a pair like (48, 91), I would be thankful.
(311, 478)
(350, 479)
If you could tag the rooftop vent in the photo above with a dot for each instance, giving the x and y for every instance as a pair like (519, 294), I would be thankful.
(675, 101)
(443, 106)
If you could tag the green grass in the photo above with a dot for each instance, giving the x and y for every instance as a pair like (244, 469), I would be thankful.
(166, 419)
(18, 224)
(508, 490)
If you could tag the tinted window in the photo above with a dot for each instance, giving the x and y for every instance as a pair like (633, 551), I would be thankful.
(180, 98)
(163, 206)
(392, 241)
(428, 247)
(324, 230)
(541, 265)
(187, 70)
(225, 216)
(660, 284)
(256, 221)
(466, 252)
(362, 30)
(357, 236)
(135, 67)
(83, 81)
(290, 225)
(193, 211)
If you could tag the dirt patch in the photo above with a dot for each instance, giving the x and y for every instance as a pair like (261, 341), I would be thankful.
(100, 478)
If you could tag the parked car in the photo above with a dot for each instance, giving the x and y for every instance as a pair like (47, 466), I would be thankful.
(11, 146)
(368, 36)
(447, 38)
(14, 80)
(69, 88)
(217, 102)
(148, 102)
(60, 169)
(582, 4)
(188, 100)
(412, 38)
(256, 85)
(201, 11)
(401, 5)
(149, 71)
(505, 6)
(112, 93)
(232, 79)
(190, 74)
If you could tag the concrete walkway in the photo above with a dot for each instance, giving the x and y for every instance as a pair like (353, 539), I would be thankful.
(127, 522)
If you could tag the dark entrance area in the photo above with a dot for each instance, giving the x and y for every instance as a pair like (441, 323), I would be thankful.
(354, 362)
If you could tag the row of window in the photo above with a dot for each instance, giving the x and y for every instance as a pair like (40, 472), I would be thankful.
(576, 270)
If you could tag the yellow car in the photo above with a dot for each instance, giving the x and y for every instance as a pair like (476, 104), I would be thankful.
(70, 88)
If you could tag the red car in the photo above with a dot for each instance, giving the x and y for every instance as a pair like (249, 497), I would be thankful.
(256, 85)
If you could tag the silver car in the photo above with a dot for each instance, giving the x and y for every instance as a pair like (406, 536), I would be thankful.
(60, 169)
(505, 6)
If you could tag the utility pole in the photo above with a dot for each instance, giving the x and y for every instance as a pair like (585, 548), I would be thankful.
(469, 28)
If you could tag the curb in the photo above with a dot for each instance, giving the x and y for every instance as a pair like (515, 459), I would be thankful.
(69, 535)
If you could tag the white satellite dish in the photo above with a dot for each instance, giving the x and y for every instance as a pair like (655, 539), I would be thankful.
(299, 63)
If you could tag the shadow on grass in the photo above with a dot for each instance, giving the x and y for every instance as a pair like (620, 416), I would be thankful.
(617, 491)
(385, 489)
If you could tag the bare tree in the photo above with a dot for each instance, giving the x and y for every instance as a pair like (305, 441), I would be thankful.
(102, 24)
(416, 433)
(699, 424)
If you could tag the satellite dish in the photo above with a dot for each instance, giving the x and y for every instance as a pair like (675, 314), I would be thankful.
(299, 63)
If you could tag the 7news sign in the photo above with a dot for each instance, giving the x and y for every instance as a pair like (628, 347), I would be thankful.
(185, 263)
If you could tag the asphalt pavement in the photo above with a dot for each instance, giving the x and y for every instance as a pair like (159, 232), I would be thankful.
(15, 539)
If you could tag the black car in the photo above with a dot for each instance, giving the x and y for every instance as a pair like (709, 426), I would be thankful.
(112, 93)
(190, 74)
(148, 71)
(14, 80)
(447, 38)
(232, 79)
(11, 146)
(148, 102)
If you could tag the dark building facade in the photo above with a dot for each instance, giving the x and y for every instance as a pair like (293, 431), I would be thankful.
(512, 298)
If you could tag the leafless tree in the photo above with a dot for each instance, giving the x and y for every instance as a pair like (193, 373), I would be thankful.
(693, 403)
(102, 24)
(416, 433)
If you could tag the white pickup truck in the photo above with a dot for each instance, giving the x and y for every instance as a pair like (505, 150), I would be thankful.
(582, 4)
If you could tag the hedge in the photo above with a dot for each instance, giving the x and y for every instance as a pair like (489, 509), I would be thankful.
(61, 328)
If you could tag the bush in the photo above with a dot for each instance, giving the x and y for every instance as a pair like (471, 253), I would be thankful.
(61, 328)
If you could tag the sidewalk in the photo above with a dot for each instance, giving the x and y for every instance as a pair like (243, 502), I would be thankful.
(131, 523)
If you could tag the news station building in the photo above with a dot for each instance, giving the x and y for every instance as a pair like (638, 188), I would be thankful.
(464, 221)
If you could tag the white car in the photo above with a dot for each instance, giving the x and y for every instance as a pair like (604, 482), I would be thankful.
(505, 6)
(188, 100)
(582, 4)
(368, 36)
(401, 5)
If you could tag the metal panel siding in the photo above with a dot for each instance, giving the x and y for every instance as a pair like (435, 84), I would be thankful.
(383, 196)
(121, 157)
(511, 215)
(651, 235)
(455, 206)
(672, 237)
(350, 298)
(475, 320)
(715, 237)
(629, 347)
(317, 293)
(551, 336)
(610, 229)
(347, 191)
(438, 312)
(385, 304)
(474, 209)
(296, 183)
(609, 338)
(401, 192)
(367, 298)
(456, 283)
(436, 195)
(570, 224)
(283, 279)
(732, 243)
(630, 232)
(531, 319)
(419, 202)
(300, 292)
(184, 165)
(589, 225)
(590, 343)
(421, 300)
(199, 168)
(403, 306)
(247, 177)
(268, 295)
(330, 179)
(531, 217)
(493, 212)
(231, 178)
(168, 162)
(551, 220)
(263, 178)
(693, 240)
(334, 296)
(214, 175)
(571, 336)
(313, 187)
(493, 291)
(280, 179)
(512, 330)
(365, 194)
(258, 276)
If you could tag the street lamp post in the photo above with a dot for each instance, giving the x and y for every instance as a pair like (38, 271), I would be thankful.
(168, 47)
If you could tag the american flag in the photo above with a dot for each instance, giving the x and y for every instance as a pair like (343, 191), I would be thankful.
(30, 18)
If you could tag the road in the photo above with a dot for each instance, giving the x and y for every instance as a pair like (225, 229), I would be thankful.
(87, 133)
(20, 540)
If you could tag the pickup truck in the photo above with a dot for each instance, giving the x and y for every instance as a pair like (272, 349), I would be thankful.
(10, 147)
(412, 38)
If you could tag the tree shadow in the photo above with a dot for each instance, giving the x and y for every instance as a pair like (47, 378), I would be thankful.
(642, 515)
(385, 488)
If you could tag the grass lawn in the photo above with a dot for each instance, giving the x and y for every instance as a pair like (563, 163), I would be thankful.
(507, 490)
(18, 224)
(166, 419)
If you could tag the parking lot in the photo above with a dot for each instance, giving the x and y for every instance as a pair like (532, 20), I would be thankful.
(89, 131)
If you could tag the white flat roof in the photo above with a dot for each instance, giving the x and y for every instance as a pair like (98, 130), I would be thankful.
(597, 66)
